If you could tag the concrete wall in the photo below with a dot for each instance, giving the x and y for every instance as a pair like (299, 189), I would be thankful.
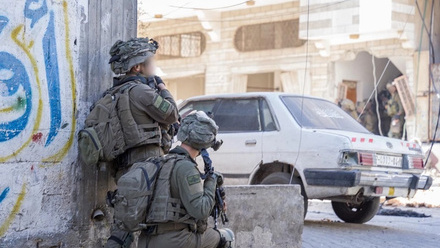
(53, 65)
(265, 216)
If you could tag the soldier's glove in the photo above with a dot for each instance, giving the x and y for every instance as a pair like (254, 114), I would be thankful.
(227, 238)
(152, 83)
(158, 80)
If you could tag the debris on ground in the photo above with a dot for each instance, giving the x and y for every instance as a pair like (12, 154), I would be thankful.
(329, 220)
(423, 198)
(400, 212)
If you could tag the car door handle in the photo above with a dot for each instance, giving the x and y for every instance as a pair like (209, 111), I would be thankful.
(250, 142)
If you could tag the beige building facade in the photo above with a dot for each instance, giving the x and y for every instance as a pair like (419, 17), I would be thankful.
(330, 49)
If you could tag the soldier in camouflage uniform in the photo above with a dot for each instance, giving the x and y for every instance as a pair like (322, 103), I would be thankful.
(348, 106)
(151, 104)
(197, 196)
(394, 109)
(368, 118)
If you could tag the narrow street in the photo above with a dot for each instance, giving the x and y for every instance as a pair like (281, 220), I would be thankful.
(322, 228)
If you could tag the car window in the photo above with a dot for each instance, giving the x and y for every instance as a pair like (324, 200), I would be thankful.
(238, 115)
(206, 106)
(320, 114)
(268, 122)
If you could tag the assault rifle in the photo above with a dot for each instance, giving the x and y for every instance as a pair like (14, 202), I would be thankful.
(219, 190)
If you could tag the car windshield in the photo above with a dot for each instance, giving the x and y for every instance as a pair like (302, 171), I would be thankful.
(320, 114)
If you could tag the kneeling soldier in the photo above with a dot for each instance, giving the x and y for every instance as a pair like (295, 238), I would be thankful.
(187, 225)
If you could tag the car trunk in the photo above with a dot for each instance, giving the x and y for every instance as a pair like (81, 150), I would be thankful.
(378, 144)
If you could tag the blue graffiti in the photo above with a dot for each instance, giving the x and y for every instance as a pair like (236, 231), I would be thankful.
(3, 21)
(19, 77)
(53, 79)
(33, 13)
(3, 194)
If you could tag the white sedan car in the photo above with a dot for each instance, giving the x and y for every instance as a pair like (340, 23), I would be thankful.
(277, 138)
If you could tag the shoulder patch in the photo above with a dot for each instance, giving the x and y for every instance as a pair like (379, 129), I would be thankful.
(157, 101)
(193, 179)
(164, 106)
(161, 104)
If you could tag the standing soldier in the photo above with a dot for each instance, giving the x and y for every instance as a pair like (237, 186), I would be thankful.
(368, 118)
(152, 108)
(395, 110)
(193, 198)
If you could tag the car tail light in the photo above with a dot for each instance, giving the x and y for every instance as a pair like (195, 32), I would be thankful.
(366, 158)
(415, 163)
(378, 190)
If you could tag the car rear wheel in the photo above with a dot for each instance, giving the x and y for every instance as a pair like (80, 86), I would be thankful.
(284, 178)
(357, 213)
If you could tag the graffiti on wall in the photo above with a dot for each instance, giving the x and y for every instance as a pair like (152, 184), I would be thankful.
(37, 91)
(37, 83)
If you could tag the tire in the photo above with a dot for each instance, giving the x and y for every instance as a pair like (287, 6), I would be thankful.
(284, 178)
(357, 213)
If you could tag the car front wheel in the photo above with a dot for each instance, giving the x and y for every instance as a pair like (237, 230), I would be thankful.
(357, 213)
(284, 178)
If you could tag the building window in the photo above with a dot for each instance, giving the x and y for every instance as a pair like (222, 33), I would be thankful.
(181, 45)
(266, 36)
(261, 82)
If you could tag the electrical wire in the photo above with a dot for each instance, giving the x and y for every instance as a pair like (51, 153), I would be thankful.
(303, 90)
(178, 8)
(379, 124)
(418, 66)
(424, 25)
(432, 61)
(375, 88)
(185, 19)
(224, 7)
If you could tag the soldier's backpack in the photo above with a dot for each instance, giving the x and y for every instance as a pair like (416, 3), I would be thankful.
(110, 128)
(134, 196)
(102, 139)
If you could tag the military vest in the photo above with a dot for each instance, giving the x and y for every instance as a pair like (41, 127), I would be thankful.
(135, 134)
(165, 208)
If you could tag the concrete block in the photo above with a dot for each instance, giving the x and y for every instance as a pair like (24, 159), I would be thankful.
(264, 216)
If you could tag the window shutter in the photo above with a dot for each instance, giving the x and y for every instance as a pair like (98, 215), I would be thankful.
(405, 95)
(342, 91)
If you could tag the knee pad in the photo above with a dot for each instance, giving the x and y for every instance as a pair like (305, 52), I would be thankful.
(227, 238)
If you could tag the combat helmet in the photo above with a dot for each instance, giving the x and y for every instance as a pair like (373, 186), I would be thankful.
(198, 131)
(126, 54)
